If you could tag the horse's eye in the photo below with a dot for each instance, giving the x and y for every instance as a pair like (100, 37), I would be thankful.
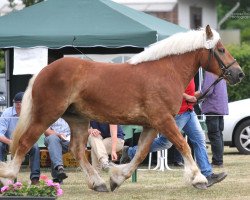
(221, 50)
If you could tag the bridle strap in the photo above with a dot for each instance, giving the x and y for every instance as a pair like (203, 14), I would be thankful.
(224, 69)
(209, 59)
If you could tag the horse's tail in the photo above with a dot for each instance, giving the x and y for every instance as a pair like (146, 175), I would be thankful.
(25, 116)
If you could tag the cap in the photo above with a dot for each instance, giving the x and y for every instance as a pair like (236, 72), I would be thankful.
(18, 97)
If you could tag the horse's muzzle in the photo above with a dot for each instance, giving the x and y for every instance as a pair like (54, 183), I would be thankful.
(234, 75)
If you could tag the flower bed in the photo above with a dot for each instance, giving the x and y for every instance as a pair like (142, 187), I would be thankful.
(46, 189)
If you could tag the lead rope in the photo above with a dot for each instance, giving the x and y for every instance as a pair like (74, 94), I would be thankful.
(202, 97)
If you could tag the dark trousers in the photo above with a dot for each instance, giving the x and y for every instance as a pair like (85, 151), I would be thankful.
(34, 157)
(215, 126)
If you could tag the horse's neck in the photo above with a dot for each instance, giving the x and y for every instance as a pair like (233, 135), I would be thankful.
(186, 65)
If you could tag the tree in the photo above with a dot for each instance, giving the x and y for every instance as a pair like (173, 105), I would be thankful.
(242, 55)
(239, 20)
(31, 2)
(2, 70)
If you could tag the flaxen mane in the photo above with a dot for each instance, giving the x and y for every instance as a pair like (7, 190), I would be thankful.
(177, 44)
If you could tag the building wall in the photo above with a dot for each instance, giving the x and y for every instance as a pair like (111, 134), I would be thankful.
(230, 36)
(178, 11)
(209, 14)
(171, 16)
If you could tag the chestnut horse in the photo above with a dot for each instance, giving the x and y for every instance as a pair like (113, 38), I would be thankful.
(147, 91)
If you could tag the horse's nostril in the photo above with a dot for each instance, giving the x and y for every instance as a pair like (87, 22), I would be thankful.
(241, 75)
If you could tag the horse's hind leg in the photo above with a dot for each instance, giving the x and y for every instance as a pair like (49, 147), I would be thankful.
(122, 172)
(78, 142)
(28, 138)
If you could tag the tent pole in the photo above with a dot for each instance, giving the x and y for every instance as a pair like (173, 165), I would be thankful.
(7, 74)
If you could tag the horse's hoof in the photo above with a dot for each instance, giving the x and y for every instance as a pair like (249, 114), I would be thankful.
(113, 185)
(201, 186)
(101, 188)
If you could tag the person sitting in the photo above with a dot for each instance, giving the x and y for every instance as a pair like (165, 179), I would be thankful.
(104, 139)
(57, 139)
(8, 122)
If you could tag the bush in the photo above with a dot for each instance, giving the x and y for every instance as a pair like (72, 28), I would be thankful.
(1, 61)
(242, 54)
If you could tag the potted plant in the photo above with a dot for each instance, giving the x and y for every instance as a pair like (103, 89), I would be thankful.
(46, 190)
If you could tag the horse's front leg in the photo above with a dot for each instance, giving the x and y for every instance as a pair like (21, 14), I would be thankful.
(122, 172)
(79, 138)
(192, 172)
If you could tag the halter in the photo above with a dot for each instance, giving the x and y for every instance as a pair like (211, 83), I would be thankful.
(224, 68)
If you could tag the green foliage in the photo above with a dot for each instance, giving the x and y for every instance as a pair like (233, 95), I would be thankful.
(2, 68)
(242, 55)
(239, 20)
(31, 2)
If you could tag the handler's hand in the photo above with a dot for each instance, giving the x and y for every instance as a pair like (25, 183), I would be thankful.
(191, 99)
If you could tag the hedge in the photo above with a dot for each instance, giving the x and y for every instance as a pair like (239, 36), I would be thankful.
(242, 54)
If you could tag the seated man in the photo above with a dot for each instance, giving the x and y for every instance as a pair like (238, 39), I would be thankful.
(104, 139)
(8, 122)
(57, 139)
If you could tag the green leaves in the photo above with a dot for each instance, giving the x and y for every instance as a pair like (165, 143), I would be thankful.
(242, 54)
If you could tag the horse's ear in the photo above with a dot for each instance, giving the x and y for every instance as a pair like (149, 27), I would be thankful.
(209, 32)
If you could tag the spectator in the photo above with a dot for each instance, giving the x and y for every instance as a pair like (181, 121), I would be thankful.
(104, 139)
(187, 121)
(57, 139)
(214, 106)
(8, 122)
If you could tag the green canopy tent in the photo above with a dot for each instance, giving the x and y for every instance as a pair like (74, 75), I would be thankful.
(93, 26)
(89, 23)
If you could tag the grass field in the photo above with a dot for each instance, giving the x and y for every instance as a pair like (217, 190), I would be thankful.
(164, 185)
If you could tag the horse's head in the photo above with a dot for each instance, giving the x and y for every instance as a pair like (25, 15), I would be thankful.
(220, 62)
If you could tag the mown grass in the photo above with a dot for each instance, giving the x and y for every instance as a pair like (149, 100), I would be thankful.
(164, 185)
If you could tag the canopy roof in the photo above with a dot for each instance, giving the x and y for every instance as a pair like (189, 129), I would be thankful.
(82, 23)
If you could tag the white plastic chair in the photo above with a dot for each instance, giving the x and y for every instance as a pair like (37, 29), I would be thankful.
(162, 161)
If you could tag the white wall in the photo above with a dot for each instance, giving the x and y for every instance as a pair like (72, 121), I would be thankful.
(149, 5)
(209, 14)
(230, 36)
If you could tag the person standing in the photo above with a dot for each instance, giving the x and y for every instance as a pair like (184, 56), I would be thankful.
(214, 106)
(8, 122)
